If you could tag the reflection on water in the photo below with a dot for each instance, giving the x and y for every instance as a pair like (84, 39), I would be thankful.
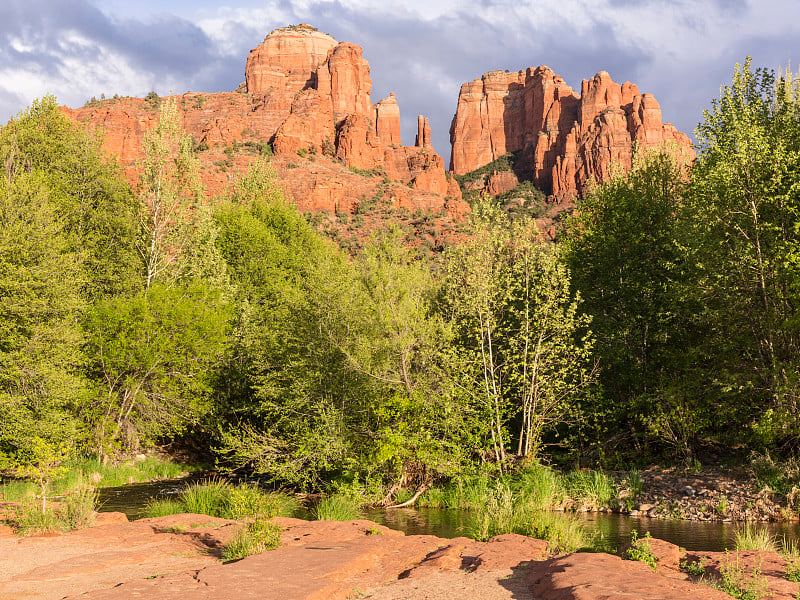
(615, 530)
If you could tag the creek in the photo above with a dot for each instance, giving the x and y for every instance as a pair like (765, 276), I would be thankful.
(615, 529)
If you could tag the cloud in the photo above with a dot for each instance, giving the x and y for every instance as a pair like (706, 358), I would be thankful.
(679, 50)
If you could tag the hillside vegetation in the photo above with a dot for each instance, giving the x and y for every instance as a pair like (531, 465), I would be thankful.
(663, 326)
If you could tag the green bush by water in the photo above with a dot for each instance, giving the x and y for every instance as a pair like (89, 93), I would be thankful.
(590, 489)
(219, 498)
(507, 512)
(336, 508)
(536, 486)
(752, 537)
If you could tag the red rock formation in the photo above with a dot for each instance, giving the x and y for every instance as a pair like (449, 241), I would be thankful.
(387, 121)
(287, 60)
(304, 92)
(345, 78)
(564, 138)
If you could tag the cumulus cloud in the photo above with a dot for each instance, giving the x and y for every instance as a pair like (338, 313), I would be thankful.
(423, 50)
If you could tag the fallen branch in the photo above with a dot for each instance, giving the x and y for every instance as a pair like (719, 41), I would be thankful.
(422, 489)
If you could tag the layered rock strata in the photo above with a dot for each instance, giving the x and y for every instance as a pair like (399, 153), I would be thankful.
(304, 93)
(563, 138)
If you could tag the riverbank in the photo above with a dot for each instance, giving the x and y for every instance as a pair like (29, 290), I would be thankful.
(180, 556)
(90, 471)
(708, 495)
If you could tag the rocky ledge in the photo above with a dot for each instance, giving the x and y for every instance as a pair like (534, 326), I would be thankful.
(179, 557)
(708, 495)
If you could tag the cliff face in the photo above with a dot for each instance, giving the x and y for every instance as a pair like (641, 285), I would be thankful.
(563, 138)
(307, 94)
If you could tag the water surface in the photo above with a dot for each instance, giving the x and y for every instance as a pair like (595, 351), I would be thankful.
(614, 529)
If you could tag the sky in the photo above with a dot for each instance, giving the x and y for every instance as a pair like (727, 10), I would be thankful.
(681, 51)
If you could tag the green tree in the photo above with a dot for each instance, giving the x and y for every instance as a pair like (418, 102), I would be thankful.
(422, 426)
(284, 385)
(744, 210)
(627, 259)
(154, 356)
(94, 205)
(169, 193)
(524, 345)
(42, 388)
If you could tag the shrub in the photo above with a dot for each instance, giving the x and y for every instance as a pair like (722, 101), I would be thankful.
(695, 569)
(735, 582)
(75, 511)
(253, 538)
(642, 550)
(152, 99)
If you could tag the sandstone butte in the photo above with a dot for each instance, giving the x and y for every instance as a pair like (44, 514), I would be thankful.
(176, 557)
(309, 96)
(563, 139)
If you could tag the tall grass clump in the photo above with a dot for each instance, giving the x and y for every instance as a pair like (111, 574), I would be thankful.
(540, 487)
(207, 497)
(253, 537)
(591, 490)
(790, 549)
(507, 512)
(751, 537)
(461, 493)
(219, 498)
(337, 507)
(162, 507)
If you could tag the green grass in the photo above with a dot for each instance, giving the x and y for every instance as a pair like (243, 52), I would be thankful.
(541, 487)
(219, 498)
(162, 507)
(537, 486)
(752, 537)
(737, 583)
(790, 549)
(75, 510)
(336, 508)
(207, 498)
(506, 512)
(590, 489)
(90, 471)
(793, 571)
(252, 538)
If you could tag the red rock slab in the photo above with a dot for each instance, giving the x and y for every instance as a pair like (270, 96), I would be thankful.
(104, 556)
(586, 576)
(325, 568)
(335, 560)
(771, 566)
